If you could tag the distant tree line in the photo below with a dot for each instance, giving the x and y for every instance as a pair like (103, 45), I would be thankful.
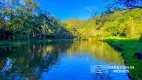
(119, 23)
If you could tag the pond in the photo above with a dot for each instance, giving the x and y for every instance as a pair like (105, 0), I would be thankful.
(79, 60)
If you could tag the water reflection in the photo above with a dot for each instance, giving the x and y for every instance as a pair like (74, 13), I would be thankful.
(99, 50)
(70, 61)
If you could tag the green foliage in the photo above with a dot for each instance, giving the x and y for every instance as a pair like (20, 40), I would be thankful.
(121, 23)
(27, 21)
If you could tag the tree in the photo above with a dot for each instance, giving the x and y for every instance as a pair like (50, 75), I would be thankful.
(24, 20)
(117, 4)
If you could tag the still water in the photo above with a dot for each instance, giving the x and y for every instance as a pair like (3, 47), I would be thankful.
(80, 60)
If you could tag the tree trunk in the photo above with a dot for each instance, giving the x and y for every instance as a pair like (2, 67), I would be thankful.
(3, 34)
(9, 37)
(40, 34)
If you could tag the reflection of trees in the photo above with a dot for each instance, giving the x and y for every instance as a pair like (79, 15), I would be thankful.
(98, 51)
(29, 61)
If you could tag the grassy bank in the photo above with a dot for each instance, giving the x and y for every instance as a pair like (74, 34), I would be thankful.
(14, 43)
(128, 47)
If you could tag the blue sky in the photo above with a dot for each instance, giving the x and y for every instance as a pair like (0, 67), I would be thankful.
(66, 9)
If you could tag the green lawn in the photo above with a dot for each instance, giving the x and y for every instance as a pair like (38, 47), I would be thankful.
(128, 47)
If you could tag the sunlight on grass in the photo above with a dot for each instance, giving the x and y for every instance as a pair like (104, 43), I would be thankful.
(128, 48)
